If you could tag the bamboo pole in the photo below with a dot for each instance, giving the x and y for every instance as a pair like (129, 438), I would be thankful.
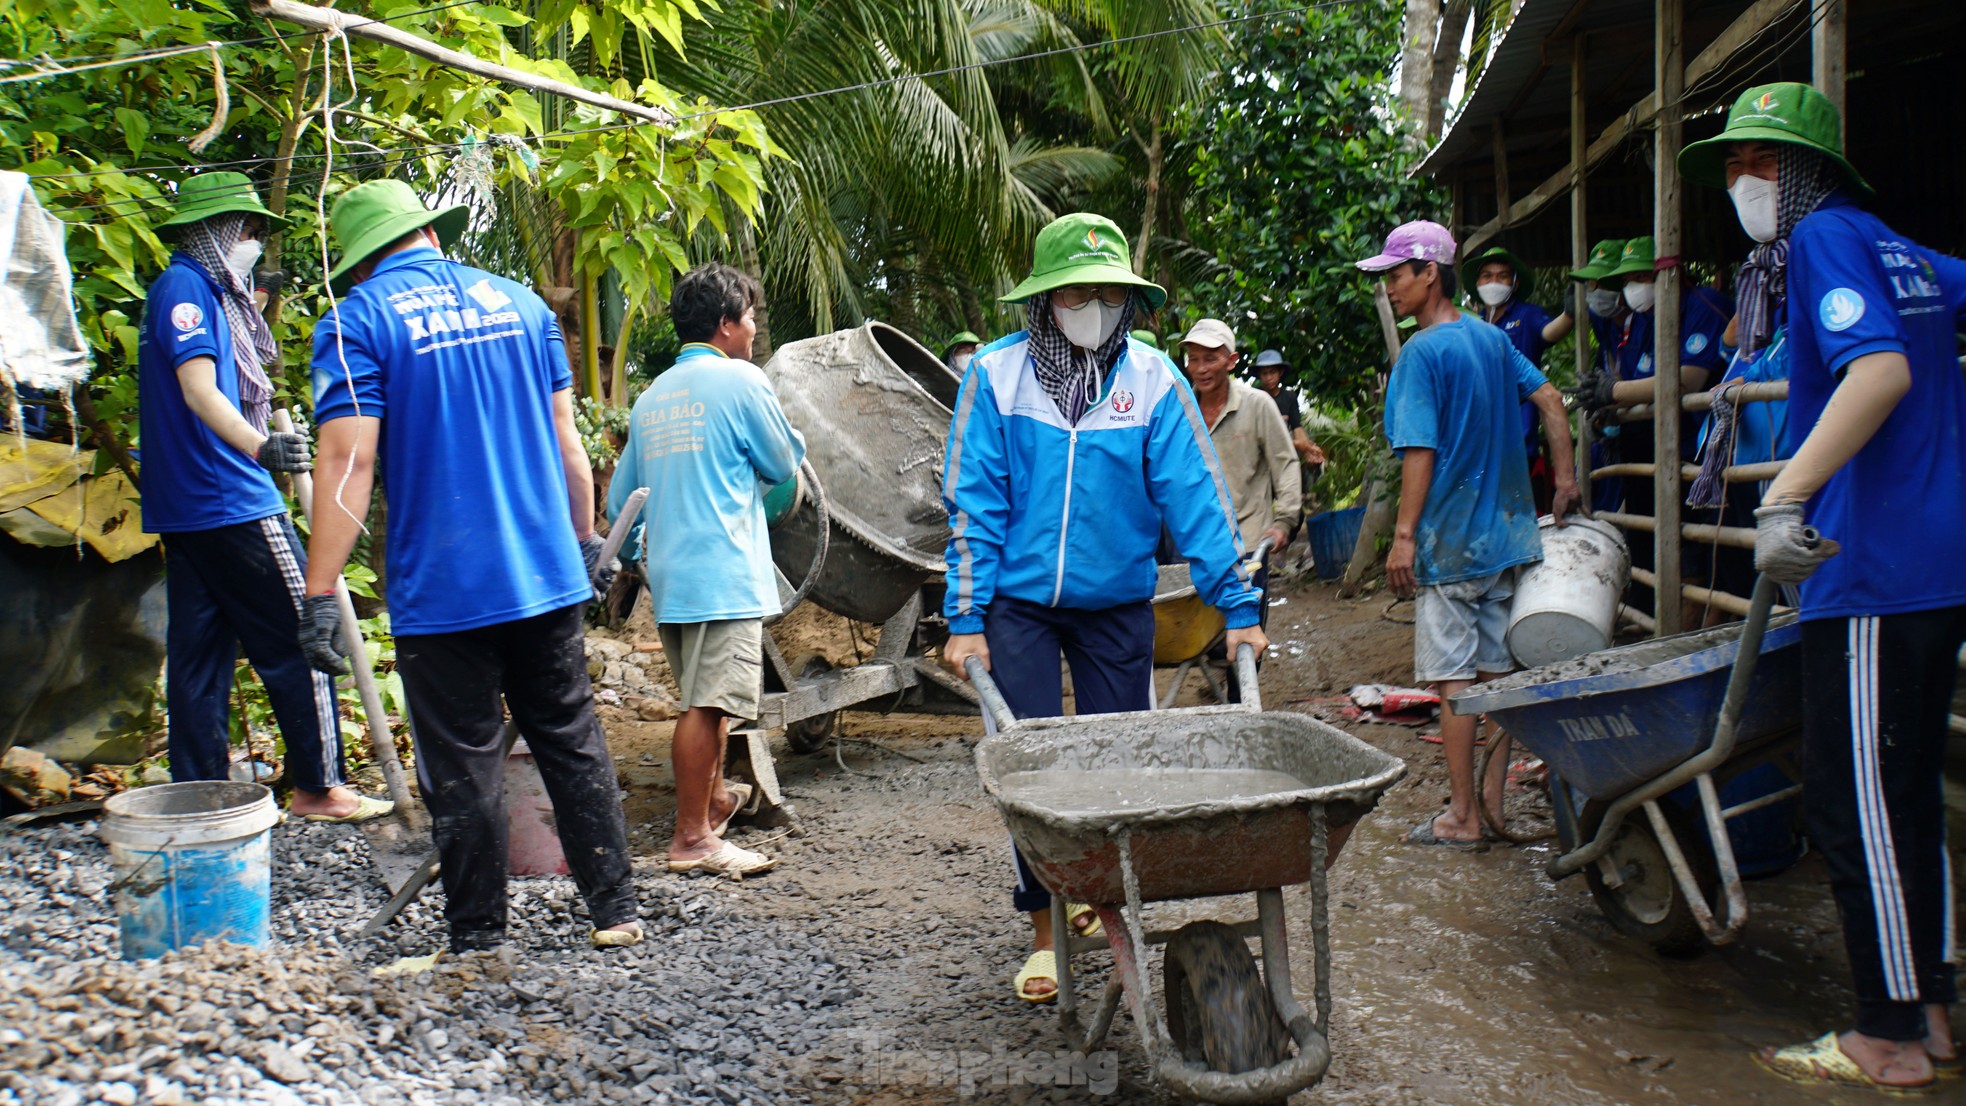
(1830, 28)
(1381, 496)
(1668, 497)
(328, 19)
(1580, 248)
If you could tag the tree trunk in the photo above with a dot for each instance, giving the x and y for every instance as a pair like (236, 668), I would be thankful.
(747, 254)
(1155, 156)
(1416, 63)
(1447, 59)
(590, 338)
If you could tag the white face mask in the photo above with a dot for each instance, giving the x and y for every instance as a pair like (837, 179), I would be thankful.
(1494, 294)
(961, 361)
(1639, 296)
(1754, 201)
(242, 256)
(1089, 326)
(1602, 302)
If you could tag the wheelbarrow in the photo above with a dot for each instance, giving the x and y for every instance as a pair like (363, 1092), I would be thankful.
(1186, 628)
(1120, 810)
(1699, 732)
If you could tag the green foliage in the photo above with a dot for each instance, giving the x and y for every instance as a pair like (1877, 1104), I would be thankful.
(601, 427)
(1299, 169)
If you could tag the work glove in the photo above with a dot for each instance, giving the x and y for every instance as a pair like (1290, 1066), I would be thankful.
(284, 452)
(598, 574)
(269, 281)
(320, 635)
(1785, 549)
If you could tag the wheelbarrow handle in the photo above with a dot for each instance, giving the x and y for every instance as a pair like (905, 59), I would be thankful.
(1252, 697)
(986, 690)
(623, 523)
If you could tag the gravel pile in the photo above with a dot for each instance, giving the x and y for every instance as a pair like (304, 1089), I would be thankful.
(714, 1008)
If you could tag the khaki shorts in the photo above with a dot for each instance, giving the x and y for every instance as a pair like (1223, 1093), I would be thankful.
(717, 664)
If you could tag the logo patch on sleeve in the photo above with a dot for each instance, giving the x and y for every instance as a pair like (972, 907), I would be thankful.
(1841, 309)
(187, 316)
(1695, 343)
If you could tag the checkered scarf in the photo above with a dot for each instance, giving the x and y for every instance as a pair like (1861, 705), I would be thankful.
(1072, 381)
(207, 242)
(1805, 178)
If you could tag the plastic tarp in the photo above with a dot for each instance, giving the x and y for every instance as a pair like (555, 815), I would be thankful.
(41, 344)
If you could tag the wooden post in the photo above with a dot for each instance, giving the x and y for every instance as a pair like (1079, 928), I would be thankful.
(1580, 249)
(1501, 154)
(1381, 497)
(1668, 55)
(1830, 32)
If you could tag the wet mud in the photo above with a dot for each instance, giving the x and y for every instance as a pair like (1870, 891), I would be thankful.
(1460, 977)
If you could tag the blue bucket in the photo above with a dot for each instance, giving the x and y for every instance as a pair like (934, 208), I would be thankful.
(193, 863)
(1332, 536)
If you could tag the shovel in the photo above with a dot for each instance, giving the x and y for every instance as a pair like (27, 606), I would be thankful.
(398, 840)
(422, 867)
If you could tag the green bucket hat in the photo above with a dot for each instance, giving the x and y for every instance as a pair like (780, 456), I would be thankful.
(1083, 248)
(1146, 336)
(1604, 258)
(960, 338)
(1525, 277)
(1635, 258)
(1786, 112)
(209, 194)
(374, 214)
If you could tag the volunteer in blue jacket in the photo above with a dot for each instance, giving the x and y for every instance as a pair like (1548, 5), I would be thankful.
(234, 564)
(1878, 427)
(457, 379)
(1071, 446)
(1504, 285)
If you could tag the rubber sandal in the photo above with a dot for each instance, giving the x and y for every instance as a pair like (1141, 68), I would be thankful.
(1949, 1070)
(615, 938)
(1090, 927)
(1042, 964)
(729, 860)
(742, 792)
(366, 810)
(1423, 834)
(1822, 1062)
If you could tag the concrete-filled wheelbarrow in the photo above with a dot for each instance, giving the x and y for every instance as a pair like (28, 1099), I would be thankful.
(1120, 810)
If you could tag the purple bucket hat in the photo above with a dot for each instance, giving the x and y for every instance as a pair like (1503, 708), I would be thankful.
(1419, 240)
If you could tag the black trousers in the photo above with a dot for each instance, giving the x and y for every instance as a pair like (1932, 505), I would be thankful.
(1874, 738)
(235, 586)
(1111, 652)
(538, 667)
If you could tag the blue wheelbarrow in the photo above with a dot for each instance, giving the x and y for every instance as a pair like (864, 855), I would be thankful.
(1697, 731)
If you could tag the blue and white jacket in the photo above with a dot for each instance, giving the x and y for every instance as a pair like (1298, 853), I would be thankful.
(1069, 516)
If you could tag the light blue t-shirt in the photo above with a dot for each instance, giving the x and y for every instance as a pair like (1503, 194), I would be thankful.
(461, 366)
(1457, 389)
(192, 480)
(701, 439)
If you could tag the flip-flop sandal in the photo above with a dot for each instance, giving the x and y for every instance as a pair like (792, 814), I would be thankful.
(1423, 834)
(366, 810)
(742, 792)
(729, 860)
(1083, 919)
(1822, 1062)
(615, 938)
(1954, 1068)
(1042, 964)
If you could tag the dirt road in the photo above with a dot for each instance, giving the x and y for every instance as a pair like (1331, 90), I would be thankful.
(1460, 978)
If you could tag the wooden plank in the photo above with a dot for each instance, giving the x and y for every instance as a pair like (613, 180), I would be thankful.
(1750, 25)
(1669, 54)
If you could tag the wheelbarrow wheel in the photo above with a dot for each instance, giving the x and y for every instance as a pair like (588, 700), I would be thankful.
(809, 735)
(1218, 1011)
(1649, 904)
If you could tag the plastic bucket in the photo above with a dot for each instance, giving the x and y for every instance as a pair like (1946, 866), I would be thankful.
(193, 863)
(1567, 605)
(1332, 536)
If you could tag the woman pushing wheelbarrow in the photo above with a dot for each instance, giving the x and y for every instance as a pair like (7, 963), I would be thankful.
(1071, 446)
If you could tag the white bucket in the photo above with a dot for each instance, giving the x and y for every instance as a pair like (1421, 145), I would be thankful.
(1567, 605)
(193, 863)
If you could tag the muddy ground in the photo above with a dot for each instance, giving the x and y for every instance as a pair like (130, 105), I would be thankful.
(1460, 977)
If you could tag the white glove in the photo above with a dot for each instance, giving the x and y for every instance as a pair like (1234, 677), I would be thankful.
(1785, 549)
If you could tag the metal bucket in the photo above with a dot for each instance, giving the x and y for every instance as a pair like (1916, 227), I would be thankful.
(193, 863)
(1567, 605)
(874, 408)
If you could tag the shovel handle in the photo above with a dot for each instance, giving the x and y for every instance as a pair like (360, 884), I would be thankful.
(623, 523)
(382, 744)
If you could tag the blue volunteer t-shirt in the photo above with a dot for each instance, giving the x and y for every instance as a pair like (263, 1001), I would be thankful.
(461, 367)
(1455, 390)
(1625, 344)
(1523, 323)
(701, 438)
(192, 480)
(1856, 287)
